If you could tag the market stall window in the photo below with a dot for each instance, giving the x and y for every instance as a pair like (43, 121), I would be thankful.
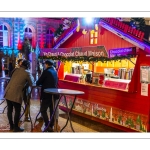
(93, 37)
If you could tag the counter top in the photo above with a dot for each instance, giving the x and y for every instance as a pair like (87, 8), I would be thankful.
(92, 85)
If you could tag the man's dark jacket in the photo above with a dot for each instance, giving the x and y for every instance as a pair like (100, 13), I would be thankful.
(48, 79)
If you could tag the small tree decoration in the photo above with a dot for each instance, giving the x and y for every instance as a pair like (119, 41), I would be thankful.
(26, 48)
(66, 24)
(62, 27)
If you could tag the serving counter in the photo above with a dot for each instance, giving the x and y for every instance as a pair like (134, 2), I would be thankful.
(118, 94)
(125, 109)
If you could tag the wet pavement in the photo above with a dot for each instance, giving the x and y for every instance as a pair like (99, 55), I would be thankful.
(80, 124)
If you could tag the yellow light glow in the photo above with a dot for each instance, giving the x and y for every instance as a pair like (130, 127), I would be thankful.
(78, 28)
(95, 41)
(96, 34)
(92, 31)
(84, 31)
(96, 26)
(91, 41)
(91, 35)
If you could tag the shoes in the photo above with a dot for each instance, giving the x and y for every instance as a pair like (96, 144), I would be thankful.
(11, 127)
(50, 129)
(40, 119)
(27, 120)
(18, 129)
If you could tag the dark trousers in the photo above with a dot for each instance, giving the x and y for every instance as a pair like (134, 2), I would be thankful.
(45, 104)
(25, 99)
(17, 107)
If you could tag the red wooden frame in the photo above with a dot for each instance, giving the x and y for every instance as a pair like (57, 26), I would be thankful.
(131, 101)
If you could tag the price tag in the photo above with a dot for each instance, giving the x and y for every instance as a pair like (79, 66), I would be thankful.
(144, 89)
(145, 74)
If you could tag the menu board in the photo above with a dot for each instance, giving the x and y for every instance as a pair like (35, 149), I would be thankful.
(122, 51)
(145, 74)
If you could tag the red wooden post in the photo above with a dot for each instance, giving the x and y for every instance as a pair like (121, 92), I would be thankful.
(111, 21)
(139, 35)
(131, 30)
(123, 26)
(137, 31)
(126, 28)
(134, 31)
(142, 35)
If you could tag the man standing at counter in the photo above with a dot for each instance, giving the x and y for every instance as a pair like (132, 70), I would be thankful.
(48, 79)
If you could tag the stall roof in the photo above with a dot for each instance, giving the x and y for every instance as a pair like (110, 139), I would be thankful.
(125, 36)
(117, 32)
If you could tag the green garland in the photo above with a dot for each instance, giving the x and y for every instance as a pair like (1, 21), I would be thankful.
(86, 58)
(138, 23)
(60, 29)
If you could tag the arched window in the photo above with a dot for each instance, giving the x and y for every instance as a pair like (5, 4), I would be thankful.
(28, 34)
(3, 36)
(28, 30)
(49, 38)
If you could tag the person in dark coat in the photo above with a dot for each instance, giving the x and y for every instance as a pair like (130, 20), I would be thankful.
(18, 66)
(14, 93)
(10, 68)
(48, 79)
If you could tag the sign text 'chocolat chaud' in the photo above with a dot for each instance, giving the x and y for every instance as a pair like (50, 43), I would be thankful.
(98, 51)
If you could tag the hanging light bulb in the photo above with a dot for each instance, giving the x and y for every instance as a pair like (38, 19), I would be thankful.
(78, 26)
(96, 26)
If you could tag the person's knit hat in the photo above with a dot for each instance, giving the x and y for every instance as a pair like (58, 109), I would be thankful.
(49, 62)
